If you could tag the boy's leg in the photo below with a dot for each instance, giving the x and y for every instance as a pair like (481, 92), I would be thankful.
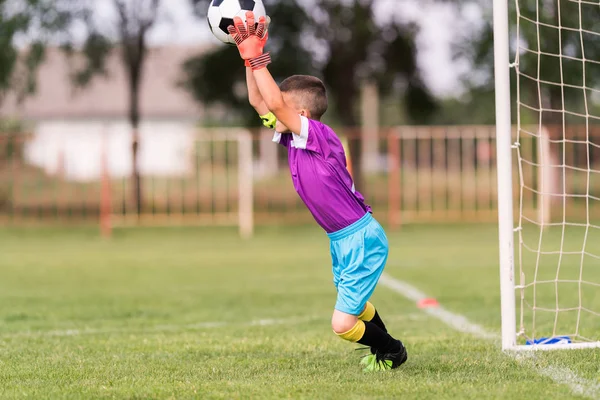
(350, 328)
(390, 352)
(370, 314)
(359, 260)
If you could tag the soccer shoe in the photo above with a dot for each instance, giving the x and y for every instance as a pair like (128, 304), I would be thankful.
(384, 361)
(397, 358)
(370, 361)
(373, 363)
(367, 360)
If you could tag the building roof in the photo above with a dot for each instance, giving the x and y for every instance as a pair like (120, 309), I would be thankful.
(108, 96)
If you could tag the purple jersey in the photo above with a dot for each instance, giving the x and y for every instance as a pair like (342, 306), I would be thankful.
(318, 166)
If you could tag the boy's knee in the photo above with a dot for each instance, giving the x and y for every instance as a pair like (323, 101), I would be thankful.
(342, 322)
(339, 327)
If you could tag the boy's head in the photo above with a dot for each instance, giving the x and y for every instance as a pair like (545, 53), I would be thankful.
(306, 94)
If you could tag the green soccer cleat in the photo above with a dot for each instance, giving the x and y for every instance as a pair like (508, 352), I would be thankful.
(367, 360)
(373, 364)
(384, 361)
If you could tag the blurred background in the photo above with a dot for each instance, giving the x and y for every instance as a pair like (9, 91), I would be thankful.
(130, 119)
(131, 110)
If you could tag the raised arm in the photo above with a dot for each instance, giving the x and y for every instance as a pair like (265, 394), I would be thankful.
(273, 100)
(254, 96)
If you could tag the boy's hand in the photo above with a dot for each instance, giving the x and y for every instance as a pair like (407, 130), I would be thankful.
(251, 41)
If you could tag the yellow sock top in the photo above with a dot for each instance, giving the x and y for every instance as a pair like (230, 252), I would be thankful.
(354, 334)
(368, 313)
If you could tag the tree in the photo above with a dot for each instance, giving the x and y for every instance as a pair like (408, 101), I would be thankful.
(338, 41)
(559, 52)
(556, 84)
(37, 22)
(214, 77)
(360, 49)
(135, 19)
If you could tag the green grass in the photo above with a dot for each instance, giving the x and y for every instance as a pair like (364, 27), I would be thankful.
(172, 313)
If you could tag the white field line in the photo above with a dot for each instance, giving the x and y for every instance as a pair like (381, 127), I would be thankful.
(161, 328)
(185, 327)
(458, 322)
(560, 375)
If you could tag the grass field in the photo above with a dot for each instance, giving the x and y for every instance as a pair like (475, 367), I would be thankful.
(199, 313)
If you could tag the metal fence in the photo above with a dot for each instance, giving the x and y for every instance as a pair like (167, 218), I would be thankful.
(418, 174)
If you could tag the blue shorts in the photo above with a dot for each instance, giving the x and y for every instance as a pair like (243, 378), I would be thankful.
(359, 253)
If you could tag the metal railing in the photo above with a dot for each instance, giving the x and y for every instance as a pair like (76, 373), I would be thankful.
(419, 174)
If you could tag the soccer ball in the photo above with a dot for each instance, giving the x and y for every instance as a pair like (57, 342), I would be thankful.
(221, 13)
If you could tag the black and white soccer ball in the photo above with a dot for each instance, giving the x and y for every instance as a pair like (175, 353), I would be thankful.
(221, 13)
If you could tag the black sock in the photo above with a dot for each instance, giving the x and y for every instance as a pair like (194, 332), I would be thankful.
(378, 321)
(378, 339)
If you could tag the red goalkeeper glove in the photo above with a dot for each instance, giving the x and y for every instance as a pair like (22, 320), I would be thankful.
(251, 40)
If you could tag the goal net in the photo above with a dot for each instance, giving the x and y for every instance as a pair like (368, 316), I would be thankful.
(555, 50)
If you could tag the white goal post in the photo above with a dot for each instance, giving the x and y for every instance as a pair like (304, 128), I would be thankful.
(549, 261)
(504, 162)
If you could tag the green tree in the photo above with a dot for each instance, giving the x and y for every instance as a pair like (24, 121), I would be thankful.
(135, 19)
(339, 41)
(550, 60)
(214, 77)
(555, 46)
(36, 22)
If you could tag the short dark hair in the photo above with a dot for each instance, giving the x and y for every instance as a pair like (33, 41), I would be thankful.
(311, 93)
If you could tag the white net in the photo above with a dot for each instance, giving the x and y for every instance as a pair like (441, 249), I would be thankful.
(557, 64)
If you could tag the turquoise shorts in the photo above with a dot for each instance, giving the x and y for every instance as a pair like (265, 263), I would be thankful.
(359, 253)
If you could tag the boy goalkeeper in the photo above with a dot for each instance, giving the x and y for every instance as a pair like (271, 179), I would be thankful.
(317, 162)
